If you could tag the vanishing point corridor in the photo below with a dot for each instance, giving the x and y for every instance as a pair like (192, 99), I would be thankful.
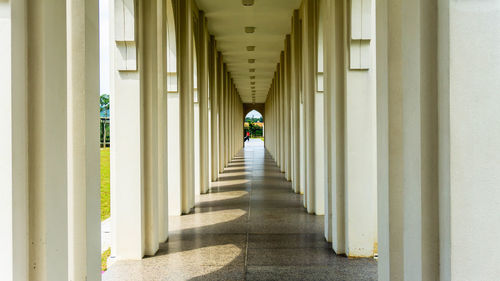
(125, 151)
(251, 226)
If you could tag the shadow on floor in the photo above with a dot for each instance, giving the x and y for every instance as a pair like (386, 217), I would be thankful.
(251, 226)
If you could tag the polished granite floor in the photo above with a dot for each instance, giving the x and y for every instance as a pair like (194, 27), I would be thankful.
(251, 226)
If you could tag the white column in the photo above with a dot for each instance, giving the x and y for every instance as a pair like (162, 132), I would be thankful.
(360, 137)
(288, 97)
(185, 75)
(469, 139)
(126, 151)
(281, 85)
(309, 51)
(214, 110)
(295, 101)
(203, 102)
(47, 131)
(14, 210)
(134, 153)
(84, 223)
(334, 122)
(221, 89)
(149, 88)
(407, 113)
(163, 124)
(279, 137)
(321, 196)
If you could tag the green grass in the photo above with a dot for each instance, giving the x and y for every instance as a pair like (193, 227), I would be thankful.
(105, 203)
(104, 259)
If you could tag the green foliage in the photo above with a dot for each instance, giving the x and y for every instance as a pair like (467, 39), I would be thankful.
(254, 119)
(104, 259)
(105, 130)
(254, 129)
(104, 104)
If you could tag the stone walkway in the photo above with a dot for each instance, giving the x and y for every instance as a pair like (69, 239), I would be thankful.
(250, 227)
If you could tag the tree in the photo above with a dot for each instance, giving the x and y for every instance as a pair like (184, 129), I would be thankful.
(104, 104)
(104, 112)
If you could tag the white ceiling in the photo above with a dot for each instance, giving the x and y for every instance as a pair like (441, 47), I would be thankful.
(227, 20)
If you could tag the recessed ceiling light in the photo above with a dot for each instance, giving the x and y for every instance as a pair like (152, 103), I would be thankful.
(250, 48)
(251, 60)
(249, 29)
(247, 3)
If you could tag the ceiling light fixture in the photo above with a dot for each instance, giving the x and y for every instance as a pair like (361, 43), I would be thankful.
(247, 3)
(249, 29)
(250, 48)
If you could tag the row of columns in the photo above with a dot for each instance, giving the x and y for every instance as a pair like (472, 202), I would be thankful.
(194, 129)
(403, 143)
(438, 139)
(49, 148)
(321, 127)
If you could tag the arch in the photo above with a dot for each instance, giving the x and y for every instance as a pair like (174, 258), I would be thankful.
(260, 107)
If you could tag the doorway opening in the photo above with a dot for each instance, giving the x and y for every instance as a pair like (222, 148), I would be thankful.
(253, 129)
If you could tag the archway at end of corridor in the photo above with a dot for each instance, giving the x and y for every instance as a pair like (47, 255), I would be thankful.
(253, 128)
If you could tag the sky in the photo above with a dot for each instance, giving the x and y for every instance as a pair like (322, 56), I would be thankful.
(104, 47)
(254, 114)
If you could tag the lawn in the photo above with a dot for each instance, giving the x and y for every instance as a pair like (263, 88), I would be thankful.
(105, 204)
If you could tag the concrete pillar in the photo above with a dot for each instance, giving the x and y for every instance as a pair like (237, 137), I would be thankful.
(220, 89)
(126, 151)
(227, 88)
(360, 141)
(281, 75)
(295, 101)
(149, 88)
(334, 73)
(14, 173)
(33, 143)
(214, 111)
(162, 121)
(230, 121)
(84, 223)
(186, 116)
(227, 117)
(437, 150)
(279, 137)
(135, 118)
(47, 145)
(288, 97)
(309, 51)
(469, 140)
(203, 102)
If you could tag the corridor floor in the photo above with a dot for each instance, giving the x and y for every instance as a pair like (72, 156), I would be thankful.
(251, 226)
